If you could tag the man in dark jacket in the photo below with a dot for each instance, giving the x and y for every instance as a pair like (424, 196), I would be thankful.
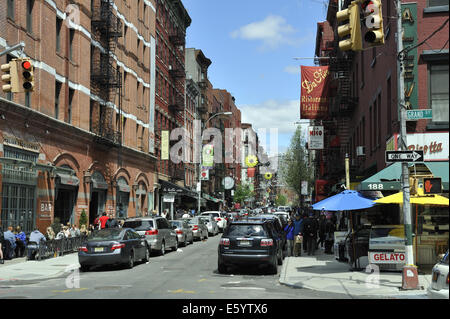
(310, 228)
(298, 230)
(111, 222)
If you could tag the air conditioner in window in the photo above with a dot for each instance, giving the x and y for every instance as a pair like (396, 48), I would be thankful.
(360, 151)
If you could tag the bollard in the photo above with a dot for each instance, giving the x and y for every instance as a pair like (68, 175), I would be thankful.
(410, 278)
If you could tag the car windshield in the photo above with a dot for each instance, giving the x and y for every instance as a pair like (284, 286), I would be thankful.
(139, 224)
(205, 219)
(246, 230)
(211, 214)
(193, 221)
(106, 234)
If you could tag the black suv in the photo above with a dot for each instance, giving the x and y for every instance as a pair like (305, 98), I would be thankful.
(250, 242)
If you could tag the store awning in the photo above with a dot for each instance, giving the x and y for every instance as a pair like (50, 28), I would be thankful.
(66, 179)
(389, 178)
(168, 187)
(419, 199)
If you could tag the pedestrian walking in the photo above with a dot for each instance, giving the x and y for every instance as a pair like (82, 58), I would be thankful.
(289, 233)
(310, 229)
(322, 223)
(21, 241)
(330, 228)
(298, 231)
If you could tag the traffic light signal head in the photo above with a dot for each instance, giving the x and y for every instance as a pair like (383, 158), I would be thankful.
(351, 29)
(10, 77)
(374, 22)
(27, 76)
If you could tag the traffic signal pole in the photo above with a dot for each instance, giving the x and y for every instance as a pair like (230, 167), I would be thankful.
(409, 274)
(19, 45)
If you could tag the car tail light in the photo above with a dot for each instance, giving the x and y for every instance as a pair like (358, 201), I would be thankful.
(117, 246)
(151, 232)
(447, 279)
(218, 219)
(224, 242)
(266, 242)
(83, 248)
(195, 227)
(179, 231)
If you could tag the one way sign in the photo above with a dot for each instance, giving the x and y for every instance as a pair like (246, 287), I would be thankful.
(404, 156)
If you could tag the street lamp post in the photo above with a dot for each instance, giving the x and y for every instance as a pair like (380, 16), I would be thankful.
(199, 184)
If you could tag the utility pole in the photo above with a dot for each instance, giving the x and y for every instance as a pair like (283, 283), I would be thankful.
(409, 274)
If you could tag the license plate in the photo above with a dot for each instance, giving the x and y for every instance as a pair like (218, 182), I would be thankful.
(245, 243)
(98, 249)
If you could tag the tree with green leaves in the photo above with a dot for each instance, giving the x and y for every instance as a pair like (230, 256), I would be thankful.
(242, 193)
(293, 165)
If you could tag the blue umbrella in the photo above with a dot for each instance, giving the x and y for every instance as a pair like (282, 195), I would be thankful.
(345, 200)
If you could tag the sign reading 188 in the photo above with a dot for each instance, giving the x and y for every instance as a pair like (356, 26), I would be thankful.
(375, 186)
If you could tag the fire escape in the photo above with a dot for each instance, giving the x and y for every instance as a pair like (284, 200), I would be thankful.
(106, 78)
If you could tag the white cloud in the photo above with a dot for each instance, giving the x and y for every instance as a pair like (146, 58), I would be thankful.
(272, 114)
(272, 31)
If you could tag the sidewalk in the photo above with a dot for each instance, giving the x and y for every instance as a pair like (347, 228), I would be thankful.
(21, 271)
(323, 272)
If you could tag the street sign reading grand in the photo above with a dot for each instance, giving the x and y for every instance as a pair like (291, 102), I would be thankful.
(404, 156)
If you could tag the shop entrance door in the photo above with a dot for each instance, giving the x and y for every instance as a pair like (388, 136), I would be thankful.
(64, 204)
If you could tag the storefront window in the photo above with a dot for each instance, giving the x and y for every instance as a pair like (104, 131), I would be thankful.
(122, 198)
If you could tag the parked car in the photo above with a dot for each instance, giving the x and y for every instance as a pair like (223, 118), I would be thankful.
(218, 217)
(277, 224)
(157, 231)
(211, 224)
(252, 242)
(199, 228)
(184, 232)
(438, 289)
(111, 246)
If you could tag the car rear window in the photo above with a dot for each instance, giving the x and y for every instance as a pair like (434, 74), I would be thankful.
(139, 224)
(246, 230)
(106, 234)
(177, 223)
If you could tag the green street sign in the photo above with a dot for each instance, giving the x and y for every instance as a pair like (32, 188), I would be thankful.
(413, 115)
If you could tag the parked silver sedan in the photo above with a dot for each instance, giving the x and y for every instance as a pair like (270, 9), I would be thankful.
(199, 228)
(184, 232)
(438, 288)
(211, 224)
(157, 231)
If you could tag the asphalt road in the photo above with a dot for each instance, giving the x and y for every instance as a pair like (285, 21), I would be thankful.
(189, 273)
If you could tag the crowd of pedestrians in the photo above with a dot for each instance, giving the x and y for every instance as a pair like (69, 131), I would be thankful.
(306, 232)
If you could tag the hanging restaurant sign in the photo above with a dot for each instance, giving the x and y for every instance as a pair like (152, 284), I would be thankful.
(314, 92)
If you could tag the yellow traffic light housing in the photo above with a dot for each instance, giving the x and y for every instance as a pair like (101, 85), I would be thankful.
(10, 78)
(26, 68)
(351, 29)
(374, 22)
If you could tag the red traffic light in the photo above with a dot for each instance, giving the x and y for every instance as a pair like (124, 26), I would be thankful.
(26, 65)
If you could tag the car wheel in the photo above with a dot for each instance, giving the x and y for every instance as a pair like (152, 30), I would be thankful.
(162, 252)
(130, 263)
(147, 254)
(84, 268)
(175, 248)
(280, 259)
(221, 268)
(273, 269)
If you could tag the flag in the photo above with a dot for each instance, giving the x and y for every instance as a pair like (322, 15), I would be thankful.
(314, 101)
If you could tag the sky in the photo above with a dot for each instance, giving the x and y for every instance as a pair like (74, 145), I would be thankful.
(253, 46)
